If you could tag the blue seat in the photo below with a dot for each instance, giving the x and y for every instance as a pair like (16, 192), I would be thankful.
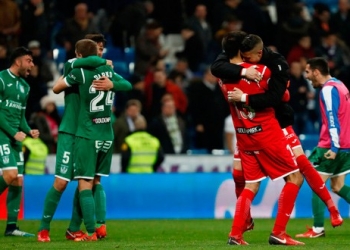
(121, 68)
(114, 53)
(129, 54)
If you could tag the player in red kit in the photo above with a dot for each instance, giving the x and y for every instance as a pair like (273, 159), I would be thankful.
(259, 137)
(253, 51)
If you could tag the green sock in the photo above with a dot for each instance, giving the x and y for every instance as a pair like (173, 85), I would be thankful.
(318, 208)
(100, 204)
(3, 184)
(77, 217)
(13, 203)
(52, 199)
(344, 192)
(87, 205)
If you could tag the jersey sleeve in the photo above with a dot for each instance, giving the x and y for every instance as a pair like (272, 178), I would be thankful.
(222, 68)
(75, 77)
(4, 126)
(88, 62)
(119, 83)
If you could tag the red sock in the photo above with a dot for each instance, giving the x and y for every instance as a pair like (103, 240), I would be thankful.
(239, 180)
(314, 180)
(285, 207)
(242, 211)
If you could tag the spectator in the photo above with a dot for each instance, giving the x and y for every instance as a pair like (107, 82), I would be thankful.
(170, 128)
(75, 29)
(340, 21)
(193, 50)
(149, 48)
(4, 57)
(141, 152)
(34, 23)
(207, 110)
(160, 87)
(303, 48)
(128, 22)
(10, 23)
(35, 153)
(38, 79)
(181, 66)
(320, 23)
(47, 121)
(125, 124)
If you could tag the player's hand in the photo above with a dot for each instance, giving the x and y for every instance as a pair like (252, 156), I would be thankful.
(235, 95)
(253, 74)
(330, 155)
(34, 133)
(20, 136)
(109, 63)
(103, 84)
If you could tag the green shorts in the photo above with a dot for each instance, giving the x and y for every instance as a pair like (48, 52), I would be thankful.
(64, 156)
(339, 166)
(92, 158)
(11, 155)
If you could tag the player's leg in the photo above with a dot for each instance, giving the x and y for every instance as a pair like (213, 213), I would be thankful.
(63, 174)
(342, 167)
(14, 195)
(85, 160)
(103, 169)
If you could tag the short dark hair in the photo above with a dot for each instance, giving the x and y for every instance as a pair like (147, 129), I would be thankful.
(320, 64)
(19, 52)
(232, 42)
(98, 38)
(86, 47)
(249, 42)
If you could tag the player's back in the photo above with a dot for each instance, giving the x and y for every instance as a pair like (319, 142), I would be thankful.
(94, 120)
(254, 129)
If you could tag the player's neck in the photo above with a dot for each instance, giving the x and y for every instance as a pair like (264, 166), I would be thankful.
(236, 60)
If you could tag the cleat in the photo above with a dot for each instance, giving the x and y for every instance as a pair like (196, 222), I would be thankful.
(72, 235)
(336, 219)
(87, 237)
(283, 239)
(310, 233)
(101, 231)
(17, 232)
(233, 241)
(250, 225)
(43, 236)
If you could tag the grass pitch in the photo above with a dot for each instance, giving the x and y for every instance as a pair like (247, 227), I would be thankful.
(176, 234)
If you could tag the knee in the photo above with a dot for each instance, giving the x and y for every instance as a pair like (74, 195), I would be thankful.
(296, 178)
(60, 185)
(10, 176)
(336, 188)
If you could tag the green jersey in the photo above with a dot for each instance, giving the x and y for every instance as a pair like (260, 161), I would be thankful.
(14, 92)
(71, 95)
(94, 119)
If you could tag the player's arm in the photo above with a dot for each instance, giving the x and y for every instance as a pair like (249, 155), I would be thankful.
(4, 126)
(330, 98)
(60, 85)
(277, 84)
(223, 69)
(23, 126)
(89, 62)
(74, 77)
(117, 83)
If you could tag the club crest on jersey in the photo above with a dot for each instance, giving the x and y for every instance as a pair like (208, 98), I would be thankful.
(5, 159)
(64, 169)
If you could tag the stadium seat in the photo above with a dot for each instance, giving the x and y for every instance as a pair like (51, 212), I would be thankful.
(114, 53)
(121, 68)
(59, 56)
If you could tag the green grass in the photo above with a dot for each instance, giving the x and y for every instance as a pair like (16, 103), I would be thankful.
(175, 234)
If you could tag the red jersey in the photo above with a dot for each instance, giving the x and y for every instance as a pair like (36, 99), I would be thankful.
(254, 130)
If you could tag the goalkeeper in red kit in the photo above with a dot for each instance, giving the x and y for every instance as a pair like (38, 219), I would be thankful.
(251, 52)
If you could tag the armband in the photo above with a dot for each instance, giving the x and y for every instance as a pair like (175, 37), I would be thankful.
(244, 72)
(244, 98)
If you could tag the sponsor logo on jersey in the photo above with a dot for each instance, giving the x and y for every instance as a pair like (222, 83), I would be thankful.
(249, 131)
(64, 169)
(101, 120)
(12, 104)
(5, 159)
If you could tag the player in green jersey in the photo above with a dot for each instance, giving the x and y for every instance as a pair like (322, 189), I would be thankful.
(13, 130)
(64, 168)
(94, 134)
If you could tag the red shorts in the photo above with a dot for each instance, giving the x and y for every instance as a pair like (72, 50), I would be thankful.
(275, 161)
(292, 138)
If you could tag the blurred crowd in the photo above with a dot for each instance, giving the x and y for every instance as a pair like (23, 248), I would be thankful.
(165, 48)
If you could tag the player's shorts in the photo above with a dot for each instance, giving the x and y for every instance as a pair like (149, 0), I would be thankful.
(236, 154)
(64, 156)
(339, 166)
(11, 155)
(275, 161)
(92, 157)
(292, 138)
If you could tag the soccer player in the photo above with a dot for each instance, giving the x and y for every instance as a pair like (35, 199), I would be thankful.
(331, 157)
(259, 137)
(253, 51)
(13, 130)
(94, 135)
(64, 167)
